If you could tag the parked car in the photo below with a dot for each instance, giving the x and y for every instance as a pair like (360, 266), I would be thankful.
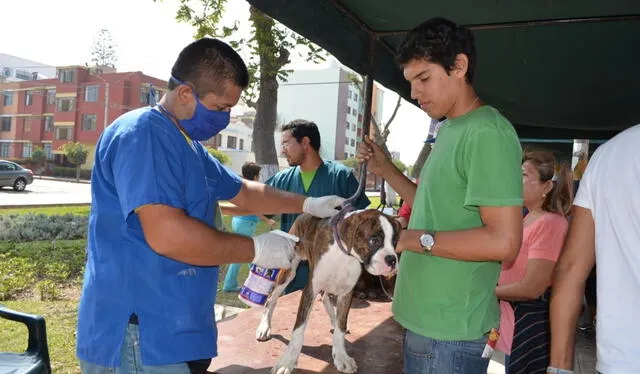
(14, 175)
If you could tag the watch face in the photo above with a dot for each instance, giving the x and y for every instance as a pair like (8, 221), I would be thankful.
(426, 240)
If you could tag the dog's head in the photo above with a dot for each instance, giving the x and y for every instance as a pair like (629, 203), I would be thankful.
(371, 237)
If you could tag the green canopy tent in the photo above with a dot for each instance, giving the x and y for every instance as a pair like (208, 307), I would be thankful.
(557, 69)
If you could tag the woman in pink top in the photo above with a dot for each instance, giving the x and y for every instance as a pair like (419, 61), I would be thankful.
(523, 287)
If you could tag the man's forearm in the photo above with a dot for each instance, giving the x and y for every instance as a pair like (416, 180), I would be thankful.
(478, 244)
(400, 183)
(263, 199)
(566, 303)
(188, 240)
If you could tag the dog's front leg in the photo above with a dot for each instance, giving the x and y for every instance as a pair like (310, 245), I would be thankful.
(263, 332)
(287, 362)
(344, 363)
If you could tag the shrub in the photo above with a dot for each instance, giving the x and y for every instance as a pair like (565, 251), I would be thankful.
(46, 264)
(32, 227)
(65, 172)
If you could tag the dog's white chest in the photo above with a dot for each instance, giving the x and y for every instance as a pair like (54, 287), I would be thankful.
(336, 272)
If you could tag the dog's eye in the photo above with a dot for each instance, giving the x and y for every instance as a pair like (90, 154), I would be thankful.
(375, 242)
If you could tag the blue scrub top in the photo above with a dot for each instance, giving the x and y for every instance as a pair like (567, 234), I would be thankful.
(141, 159)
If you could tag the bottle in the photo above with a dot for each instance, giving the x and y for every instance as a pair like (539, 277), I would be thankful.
(256, 289)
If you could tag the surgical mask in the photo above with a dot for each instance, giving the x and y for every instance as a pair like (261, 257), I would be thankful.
(205, 123)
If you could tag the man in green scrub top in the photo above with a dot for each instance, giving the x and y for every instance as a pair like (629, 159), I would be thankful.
(310, 175)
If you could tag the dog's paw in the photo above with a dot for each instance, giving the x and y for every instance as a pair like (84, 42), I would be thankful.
(263, 332)
(344, 363)
(284, 367)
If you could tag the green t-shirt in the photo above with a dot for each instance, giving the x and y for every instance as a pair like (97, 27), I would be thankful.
(307, 178)
(475, 162)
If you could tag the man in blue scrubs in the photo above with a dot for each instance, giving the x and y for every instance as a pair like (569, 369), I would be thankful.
(149, 289)
(311, 176)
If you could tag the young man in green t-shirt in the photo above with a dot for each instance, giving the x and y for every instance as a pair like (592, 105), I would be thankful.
(467, 209)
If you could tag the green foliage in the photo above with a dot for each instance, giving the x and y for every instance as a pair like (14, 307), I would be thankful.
(64, 172)
(38, 156)
(76, 153)
(32, 227)
(352, 162)
(221, 156)
(45, 264)
(103, 51)
(269, 46)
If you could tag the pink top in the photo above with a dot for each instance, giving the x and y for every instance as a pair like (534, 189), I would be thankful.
(541, 240)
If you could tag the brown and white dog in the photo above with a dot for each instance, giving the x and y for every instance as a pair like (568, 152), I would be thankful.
(370, 238)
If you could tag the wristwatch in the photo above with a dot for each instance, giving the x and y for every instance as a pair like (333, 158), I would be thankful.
(427, 241)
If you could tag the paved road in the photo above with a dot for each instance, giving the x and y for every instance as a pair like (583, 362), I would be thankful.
(47, 192)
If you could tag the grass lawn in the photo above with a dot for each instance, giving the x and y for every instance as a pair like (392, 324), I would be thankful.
(52, 210)
(61, 315)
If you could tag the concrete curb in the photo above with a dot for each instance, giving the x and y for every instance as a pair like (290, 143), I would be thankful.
(60, 179)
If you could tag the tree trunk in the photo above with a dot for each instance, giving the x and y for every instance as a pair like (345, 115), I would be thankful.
(264, 125)
(78, 174)
(422, 158)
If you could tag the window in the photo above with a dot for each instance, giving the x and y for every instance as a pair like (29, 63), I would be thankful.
(65, 104)
(48, 123)
(218, 140)
(6, 72)
(348, 94)
(346, 141)
(26, 124)
(353, 142)
(346, 155)
(355, 96)
(359, 132)
(347, 125)
(360, 118)
(4, 152)
(28, 98)
(26, 150)
(5, 124)
(63, 133)
(348, 110)
(231, 142)
(351, 155)
(241, 145)
(91, 94)
(354, 111)
(7, 98)
(46, 147)
(89, 122)
(51, 97)
(66, 75)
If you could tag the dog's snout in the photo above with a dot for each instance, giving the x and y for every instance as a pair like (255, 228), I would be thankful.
(390, 260)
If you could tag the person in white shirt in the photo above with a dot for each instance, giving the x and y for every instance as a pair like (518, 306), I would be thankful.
(605, 228)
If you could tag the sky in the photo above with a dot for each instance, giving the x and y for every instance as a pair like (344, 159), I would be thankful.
(148, 39)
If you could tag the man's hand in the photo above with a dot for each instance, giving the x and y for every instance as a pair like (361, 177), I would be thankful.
(377, 161)
(322, 207)
(273, 251)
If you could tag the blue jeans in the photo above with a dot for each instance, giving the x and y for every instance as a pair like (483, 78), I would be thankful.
(424, 355)
(130, 360)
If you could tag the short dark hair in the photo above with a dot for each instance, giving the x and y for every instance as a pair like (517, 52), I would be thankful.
(250, 170)
(439, 40)
(207, 63)
(300, 128)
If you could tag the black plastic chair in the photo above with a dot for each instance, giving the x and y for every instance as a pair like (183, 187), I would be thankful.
(36, 358)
